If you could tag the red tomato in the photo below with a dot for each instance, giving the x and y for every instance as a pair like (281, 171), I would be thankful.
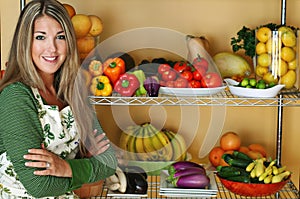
(163, 68)
(169, 75)
(181, 83)
(186, 74)
(170, 84)
(2, 74)
(198, 73)
(180, 66)
(200, 62)
(211, 80)
(195, 84)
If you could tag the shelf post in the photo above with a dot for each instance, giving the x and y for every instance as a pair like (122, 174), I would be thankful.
(279, 130)
(283, 12)
(22, 4)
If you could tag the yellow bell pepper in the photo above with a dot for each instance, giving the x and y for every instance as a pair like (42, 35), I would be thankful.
(101, 86)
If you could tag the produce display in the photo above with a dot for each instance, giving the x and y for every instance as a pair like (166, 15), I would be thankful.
(187, 174)
(242, 168)
(146, 143)
(128, 180)
(231, 141)
(274, 48)
(87, 29)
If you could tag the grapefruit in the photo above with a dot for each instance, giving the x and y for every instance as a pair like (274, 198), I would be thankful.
(97, 25)
(82, 25)
(230, 141)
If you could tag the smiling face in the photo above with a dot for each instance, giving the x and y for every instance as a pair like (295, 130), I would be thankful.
(49, 47)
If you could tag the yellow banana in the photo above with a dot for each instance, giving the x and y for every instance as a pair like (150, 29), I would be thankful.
(139, 145)
(175, 145)
(126, 135)
(148, 146)
(167, 154)
(131, 148)
(183, 146)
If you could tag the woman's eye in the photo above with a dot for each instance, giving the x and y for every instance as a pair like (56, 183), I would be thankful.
(39, 37)
(61, 37)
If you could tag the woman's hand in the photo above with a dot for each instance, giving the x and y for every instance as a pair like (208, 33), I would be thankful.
(53, 164)
(101, 145)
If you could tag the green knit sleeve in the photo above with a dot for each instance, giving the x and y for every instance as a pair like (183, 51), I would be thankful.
(20, 130)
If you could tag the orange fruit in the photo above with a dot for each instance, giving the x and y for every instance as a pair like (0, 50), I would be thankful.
(222, 162)
(230, 141)
(97, 25)
(244, 149)
(254, 154)
(82, 25)
(85, 44)
(70, 9)
(215, 156)
(258, 148)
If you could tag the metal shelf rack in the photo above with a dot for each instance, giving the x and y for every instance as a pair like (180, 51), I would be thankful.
(289, 191)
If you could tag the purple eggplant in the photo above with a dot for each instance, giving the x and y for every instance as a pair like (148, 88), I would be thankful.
(151, 84)
(186, 171)
(196, 180)
(182, 165)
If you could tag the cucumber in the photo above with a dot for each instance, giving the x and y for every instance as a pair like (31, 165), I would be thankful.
(241, 155)
(228, 171)
(242, 178)
(234, 161)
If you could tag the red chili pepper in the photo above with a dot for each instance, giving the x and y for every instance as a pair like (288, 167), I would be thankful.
(113, 68)
(127, 85)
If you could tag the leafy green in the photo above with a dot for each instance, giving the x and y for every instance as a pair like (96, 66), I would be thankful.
(245, 39)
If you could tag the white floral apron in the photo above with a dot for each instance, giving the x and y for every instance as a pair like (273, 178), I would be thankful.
(60, 137)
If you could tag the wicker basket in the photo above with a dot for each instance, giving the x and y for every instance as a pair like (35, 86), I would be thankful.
(90, 190)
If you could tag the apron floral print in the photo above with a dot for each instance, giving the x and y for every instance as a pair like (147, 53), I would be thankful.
(60, 138)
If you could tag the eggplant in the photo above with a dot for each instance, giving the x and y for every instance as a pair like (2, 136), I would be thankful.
(196, 180)
(134, 169)
(136, 183)
(186, 171)
(182, 165)
(151, 84)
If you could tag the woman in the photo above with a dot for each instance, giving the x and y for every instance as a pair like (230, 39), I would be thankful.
(48, 144)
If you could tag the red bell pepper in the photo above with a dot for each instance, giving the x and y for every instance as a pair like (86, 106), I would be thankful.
(127, 85)
(114, 68)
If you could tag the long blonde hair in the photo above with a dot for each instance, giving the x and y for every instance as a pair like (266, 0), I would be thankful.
(69, 82)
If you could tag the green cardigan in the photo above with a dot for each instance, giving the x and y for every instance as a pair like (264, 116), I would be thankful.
(20, 130)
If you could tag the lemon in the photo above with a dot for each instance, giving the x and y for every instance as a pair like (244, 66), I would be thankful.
(288, 36)
(269, 78)
(82, 25)
(283, 68)
(260, 48)
(273, 45)
(264, 60)
(287, 54)
(263, 34)
(261, 71)
(288, 79)
(292, 65)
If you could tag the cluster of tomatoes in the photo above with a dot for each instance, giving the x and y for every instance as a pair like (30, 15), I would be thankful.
(184, 74)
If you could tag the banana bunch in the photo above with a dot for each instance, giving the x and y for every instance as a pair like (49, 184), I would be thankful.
(267, 174)
(146, 143)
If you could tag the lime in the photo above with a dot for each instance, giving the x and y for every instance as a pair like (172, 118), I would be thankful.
(261, 84)
(252, 82)
(271, 84)
(244, 82)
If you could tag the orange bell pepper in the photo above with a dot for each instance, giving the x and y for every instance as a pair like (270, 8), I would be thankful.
(114, 68)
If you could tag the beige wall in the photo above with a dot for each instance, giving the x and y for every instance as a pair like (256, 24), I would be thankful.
(218, 20)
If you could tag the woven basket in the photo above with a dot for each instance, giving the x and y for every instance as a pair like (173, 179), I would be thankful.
(90, 190)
